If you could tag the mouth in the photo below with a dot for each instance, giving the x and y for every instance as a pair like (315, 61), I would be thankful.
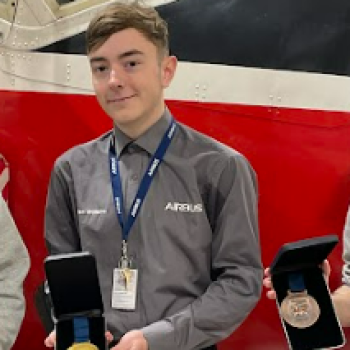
(119, 99)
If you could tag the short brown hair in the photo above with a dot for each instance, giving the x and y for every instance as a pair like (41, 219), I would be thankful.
(120, 16)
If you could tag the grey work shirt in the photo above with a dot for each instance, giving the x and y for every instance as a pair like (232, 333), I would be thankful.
(346, 252)
(195, 241)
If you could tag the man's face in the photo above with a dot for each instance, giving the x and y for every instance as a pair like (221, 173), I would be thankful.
(129, 76)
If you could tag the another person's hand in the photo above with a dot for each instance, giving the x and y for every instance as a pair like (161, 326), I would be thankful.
(271, 294)
(50, 340)
(133, 340)
(326, 268)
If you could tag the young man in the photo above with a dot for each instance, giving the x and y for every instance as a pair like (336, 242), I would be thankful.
(341, 296)
(14, 265)
(167, 211)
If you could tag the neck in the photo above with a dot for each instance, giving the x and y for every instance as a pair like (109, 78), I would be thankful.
(135, 129)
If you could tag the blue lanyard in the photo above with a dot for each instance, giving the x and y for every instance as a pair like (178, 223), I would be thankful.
(144, 185)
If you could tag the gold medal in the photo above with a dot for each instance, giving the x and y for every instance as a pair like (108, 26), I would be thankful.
(299, 309)
(83, 346)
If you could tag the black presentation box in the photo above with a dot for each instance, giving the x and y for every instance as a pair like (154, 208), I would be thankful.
(303, 258)
(75, 291)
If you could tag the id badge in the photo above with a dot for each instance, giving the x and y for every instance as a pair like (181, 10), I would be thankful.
(124, 289)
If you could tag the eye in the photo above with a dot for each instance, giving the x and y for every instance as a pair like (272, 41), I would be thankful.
(99, 69)
(131, 64)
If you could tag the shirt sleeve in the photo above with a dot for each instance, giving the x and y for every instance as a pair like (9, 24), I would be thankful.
(346, 252)
(236, 263)
(61, 231)
(14, 265)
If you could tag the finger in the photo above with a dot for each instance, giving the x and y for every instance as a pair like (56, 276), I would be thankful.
(267, 283)
(109, 336)
(271, 294)
(267, 272)
(326, 267)
(50, 340)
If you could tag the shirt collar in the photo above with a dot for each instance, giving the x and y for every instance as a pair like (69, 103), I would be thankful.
(149, 140)
(120, 141)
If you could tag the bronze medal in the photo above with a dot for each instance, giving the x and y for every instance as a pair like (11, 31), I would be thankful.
(299, 309)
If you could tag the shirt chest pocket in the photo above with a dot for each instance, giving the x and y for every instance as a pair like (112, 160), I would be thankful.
(95, 208)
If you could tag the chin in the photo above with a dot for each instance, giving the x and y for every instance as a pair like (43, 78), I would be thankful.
(123, 119)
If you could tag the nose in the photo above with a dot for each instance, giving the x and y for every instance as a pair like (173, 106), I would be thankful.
(115, 79)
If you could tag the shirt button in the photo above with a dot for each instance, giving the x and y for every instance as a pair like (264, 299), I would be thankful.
(132, 149)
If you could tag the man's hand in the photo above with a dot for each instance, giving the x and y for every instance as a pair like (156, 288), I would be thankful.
(133, 340)
(50, 341)
(271, 294)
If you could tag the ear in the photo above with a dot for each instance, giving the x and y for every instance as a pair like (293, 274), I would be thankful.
(169, 65)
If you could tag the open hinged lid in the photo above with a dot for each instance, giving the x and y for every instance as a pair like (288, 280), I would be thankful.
(73, 283)
(302, 295)
(303, 253)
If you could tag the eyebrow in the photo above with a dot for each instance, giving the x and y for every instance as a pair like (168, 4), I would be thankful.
(130, 53)
(121, 56)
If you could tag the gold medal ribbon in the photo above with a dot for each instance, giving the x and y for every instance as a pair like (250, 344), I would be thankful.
(81, 335)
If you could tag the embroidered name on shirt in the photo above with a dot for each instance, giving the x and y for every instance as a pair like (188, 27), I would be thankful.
(184, 207)
(91, 211)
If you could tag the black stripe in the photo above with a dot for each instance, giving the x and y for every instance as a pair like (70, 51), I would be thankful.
(307, 35)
